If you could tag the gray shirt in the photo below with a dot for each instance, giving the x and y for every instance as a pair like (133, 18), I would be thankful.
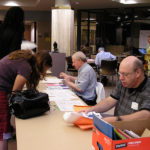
(86, 81)
(132, 100)
(9, 69)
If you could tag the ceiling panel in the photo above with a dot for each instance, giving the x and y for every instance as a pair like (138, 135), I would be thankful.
(75, 4)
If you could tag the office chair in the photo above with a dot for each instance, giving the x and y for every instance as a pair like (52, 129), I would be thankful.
(100, 92)
(108, 68)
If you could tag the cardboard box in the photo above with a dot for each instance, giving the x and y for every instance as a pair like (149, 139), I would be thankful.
(102, 142)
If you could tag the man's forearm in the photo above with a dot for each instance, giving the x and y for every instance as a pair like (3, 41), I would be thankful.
(104, 105)
(73, 86)
(143, 114)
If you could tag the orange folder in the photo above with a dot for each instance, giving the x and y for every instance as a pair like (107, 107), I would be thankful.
(79, 107)
(84, 123)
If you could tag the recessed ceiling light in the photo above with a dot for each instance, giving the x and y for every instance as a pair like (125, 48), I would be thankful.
(11, 3)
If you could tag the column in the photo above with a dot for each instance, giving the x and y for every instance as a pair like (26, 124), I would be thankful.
(62, 26)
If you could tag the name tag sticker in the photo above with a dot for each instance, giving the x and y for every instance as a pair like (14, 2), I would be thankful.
(134, 105)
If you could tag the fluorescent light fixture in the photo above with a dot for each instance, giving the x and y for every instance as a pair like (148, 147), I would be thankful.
(91, 19)
(126, 1)
(11, 3)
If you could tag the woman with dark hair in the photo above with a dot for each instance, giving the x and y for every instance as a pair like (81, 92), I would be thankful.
(17, 69)
(12, 31)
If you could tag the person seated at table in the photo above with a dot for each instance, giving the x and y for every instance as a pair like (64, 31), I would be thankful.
(84, 85)
(131, 96)
(102, 55)
(17, 69)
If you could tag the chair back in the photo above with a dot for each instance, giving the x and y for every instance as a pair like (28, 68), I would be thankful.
(108, 67)
(100, 92)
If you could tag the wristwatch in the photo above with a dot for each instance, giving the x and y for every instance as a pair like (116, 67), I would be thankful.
(118, 118)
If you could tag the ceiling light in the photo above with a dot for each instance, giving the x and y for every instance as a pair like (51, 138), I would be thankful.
(130, 2)
(11, 3)
(118, 18)
(126, 1)
(136, 16)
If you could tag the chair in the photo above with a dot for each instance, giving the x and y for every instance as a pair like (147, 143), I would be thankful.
(100, 92)
(108, 68)
(70, 68)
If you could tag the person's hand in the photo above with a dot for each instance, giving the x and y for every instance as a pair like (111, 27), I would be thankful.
(62, 75)
(67, 79)
(84, 110)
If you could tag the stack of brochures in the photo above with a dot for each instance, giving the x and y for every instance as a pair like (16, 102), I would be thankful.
(125, 134)
(112, 132)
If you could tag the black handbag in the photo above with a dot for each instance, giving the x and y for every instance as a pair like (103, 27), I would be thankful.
(28, 103)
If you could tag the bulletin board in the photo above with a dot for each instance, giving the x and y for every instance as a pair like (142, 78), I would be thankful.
(143, 38)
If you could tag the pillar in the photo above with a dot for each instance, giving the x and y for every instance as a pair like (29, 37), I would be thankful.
(62, 26)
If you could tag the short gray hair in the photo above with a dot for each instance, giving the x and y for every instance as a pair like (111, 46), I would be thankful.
(138, 64)
(101, 49)
(80, 56)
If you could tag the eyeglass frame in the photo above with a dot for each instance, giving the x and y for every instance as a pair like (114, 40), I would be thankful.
(126, 74)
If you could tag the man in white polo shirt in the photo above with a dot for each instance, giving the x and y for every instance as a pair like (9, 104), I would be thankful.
(84, 85)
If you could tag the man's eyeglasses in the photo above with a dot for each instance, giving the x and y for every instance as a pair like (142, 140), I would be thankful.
(124, 74)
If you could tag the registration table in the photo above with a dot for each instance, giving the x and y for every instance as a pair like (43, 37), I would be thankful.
(51, 132)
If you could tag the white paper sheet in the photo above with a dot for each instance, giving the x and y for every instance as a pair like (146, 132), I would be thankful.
(68, 105)
(61, 94)
(52, 80)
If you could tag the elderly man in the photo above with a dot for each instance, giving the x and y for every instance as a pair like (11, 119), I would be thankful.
(131, 97)
(102, 55)
(84, 84)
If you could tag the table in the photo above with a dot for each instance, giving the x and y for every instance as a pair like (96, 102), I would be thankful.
(49, 131)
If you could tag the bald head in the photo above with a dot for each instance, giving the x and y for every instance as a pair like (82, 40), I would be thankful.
(131, 72)
(133, 63)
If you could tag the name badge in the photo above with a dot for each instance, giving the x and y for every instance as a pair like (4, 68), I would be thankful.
(134, 105)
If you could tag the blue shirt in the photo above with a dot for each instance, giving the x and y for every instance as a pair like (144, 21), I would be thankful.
(86, 81)
(103, 56)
